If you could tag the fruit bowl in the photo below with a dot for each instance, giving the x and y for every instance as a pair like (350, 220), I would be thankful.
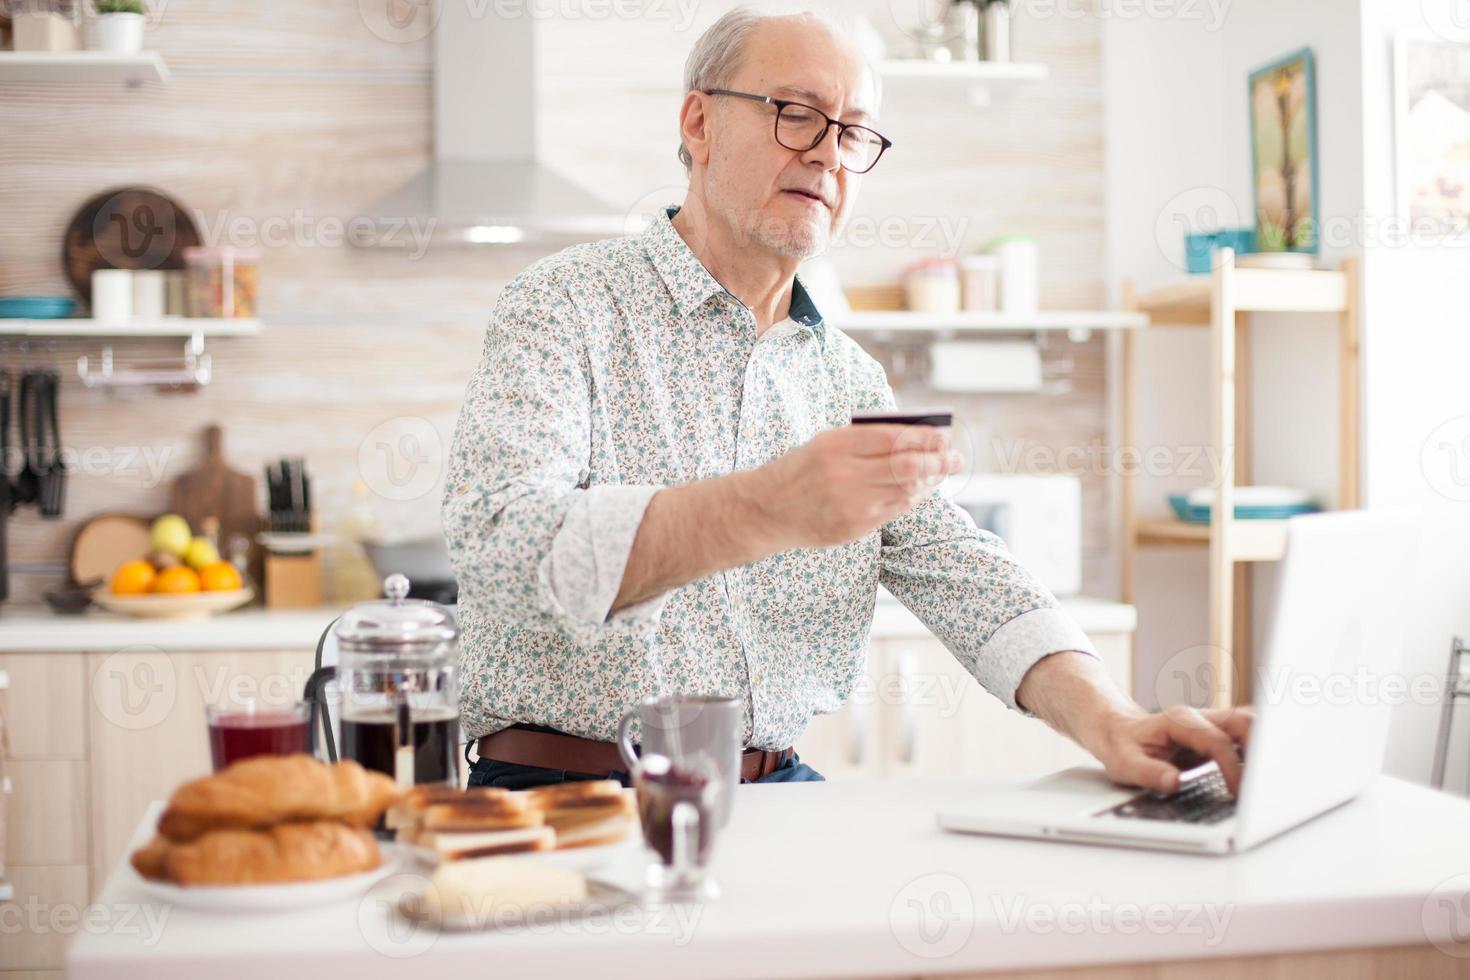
(188, 605)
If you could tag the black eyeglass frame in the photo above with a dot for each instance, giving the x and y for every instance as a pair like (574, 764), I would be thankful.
(842, 127)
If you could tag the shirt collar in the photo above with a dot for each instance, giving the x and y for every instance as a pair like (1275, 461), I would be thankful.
(691, 284)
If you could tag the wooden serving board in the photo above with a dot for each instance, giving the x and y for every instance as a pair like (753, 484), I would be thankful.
(125, 228)
(214, 490)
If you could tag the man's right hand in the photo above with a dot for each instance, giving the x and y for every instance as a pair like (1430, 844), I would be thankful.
(845, 482)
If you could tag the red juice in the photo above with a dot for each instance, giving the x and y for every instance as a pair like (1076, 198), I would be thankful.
(239, 735)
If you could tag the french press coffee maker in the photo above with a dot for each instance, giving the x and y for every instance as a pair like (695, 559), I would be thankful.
(399, 686)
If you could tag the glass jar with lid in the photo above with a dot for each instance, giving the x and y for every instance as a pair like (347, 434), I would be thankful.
(221, 282)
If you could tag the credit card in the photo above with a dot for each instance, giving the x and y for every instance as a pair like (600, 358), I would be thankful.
(936, 417)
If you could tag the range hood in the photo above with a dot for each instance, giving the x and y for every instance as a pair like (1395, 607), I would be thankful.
(485, 186)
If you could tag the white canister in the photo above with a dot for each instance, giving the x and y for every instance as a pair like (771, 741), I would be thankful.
(150, 289)
(980, 283)
(932, 286)
(1020, 273)
(112, 295)
(997, 30)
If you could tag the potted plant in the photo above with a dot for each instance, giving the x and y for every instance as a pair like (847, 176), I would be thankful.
(120, 26)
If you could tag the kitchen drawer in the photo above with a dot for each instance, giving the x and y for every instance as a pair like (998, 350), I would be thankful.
(46, 813)
(45, 916)
(46, 705)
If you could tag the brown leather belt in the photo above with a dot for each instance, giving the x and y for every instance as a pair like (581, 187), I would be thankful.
(557, 750)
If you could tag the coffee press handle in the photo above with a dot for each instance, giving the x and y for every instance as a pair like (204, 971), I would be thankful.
(625, 743)
(684, 827)
(315, 695)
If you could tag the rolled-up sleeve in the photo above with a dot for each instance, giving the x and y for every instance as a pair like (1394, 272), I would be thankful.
(533, 544)
(967, 588)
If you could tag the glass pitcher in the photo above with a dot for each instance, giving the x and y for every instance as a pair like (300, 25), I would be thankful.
(398, 678)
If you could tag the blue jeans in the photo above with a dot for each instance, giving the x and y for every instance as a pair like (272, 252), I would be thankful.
(510, 775)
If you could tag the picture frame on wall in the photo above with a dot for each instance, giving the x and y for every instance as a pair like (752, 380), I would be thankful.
(1432, 136)
(1282, 98)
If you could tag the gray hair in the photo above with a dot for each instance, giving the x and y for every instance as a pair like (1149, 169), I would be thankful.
(718, 53)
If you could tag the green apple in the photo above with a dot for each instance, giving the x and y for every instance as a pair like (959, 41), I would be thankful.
(200, 553)
(170, 533)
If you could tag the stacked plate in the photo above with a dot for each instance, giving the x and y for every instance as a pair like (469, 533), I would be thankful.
(36, 307)
(1251, 504)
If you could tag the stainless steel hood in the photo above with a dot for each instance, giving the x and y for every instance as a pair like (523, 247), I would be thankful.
(485, 186)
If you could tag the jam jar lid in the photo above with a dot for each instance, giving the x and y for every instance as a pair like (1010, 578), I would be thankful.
(396, 622)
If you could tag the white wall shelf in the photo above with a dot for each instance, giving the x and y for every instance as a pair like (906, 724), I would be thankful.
(963, 71)
(82, 66)
(980, 79)
(166, 327)
(908, 321)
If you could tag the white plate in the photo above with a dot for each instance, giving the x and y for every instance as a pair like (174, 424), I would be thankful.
(295, 543)
(1253, 497)
(573, 858)
(602, 898)
(186, 605)
(271, 898)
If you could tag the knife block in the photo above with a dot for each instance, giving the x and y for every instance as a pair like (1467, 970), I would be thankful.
(293, 581)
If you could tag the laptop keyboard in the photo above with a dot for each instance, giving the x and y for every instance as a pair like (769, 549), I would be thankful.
(1203, 800)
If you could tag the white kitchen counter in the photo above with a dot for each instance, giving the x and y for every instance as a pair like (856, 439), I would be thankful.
(856, 879)
(37, 629)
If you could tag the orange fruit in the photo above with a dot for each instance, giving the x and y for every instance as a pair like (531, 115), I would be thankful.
(177, 580)
(219, 576)
(133, 578)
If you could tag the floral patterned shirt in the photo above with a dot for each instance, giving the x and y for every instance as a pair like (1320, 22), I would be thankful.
(616, 368)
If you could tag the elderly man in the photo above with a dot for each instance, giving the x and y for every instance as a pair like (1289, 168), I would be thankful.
(655, 488)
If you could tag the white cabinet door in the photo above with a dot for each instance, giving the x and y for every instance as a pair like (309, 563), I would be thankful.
(947, 725)
(848, 743)
(921, 714)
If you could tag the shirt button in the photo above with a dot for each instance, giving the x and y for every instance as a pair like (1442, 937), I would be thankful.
(755, 680)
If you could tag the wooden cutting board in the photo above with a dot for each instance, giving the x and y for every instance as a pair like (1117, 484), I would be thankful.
(214, 490)
(105, 542)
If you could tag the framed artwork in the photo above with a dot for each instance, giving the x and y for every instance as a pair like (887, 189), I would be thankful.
(1432, 134)
(1283, 113)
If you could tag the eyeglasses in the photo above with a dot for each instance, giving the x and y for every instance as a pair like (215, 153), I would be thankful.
(801, 127)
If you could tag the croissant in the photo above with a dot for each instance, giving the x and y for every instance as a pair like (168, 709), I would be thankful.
(267, 790)
(283, 853)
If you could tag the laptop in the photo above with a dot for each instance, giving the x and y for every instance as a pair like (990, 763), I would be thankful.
(1321, 712)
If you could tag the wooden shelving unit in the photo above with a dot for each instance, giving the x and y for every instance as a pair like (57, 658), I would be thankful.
(82, 66)
(1224, 302)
